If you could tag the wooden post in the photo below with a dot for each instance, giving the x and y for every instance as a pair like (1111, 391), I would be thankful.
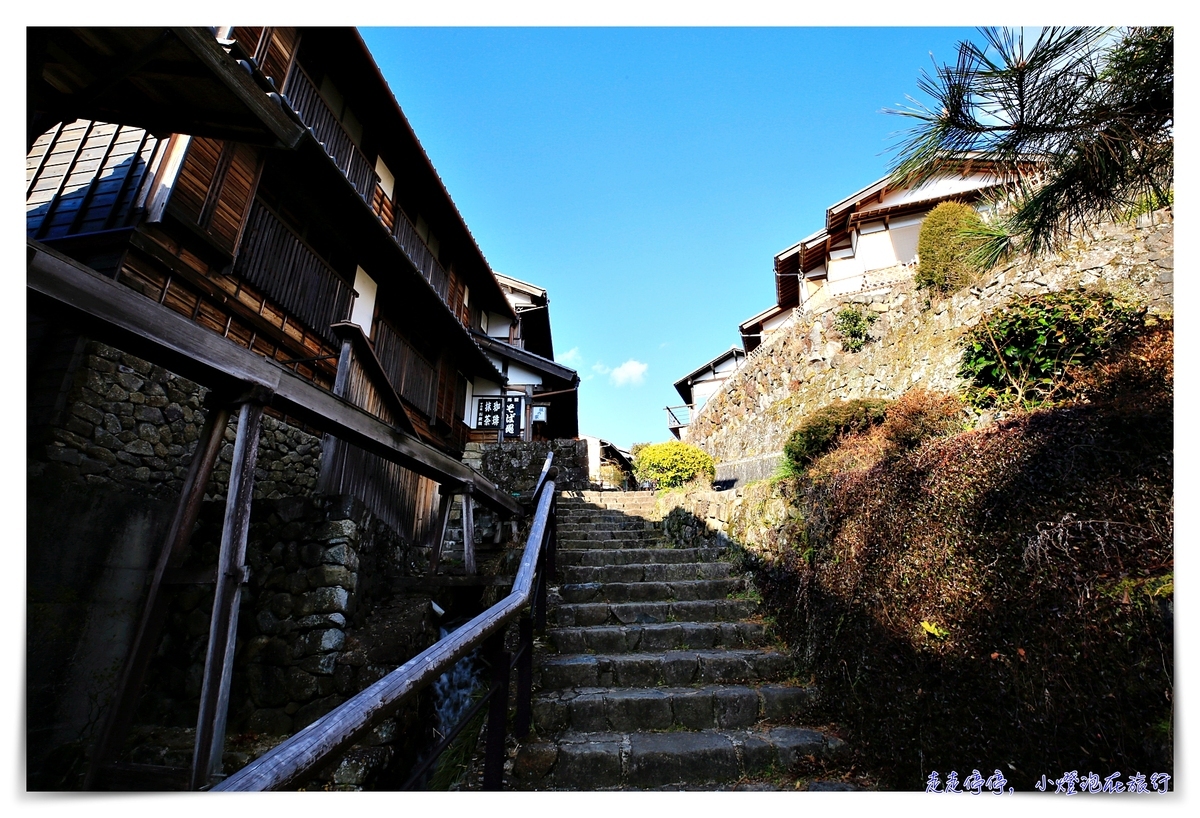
(524, 716)
(231, 574)
(493, 764)
(539, 592)
(552, 541)
(468, 521)
(438, 534)
(154, 614)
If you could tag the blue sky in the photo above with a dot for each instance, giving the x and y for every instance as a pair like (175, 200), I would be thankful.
(647, 176)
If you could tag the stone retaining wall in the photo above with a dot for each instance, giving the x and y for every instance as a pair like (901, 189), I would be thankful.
(319, 621)
(732, 473)
(132, 423)
(516, 464)
(915, 341)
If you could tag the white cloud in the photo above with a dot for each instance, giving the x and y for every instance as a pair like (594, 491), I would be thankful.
(601, 368)
(630, 372)
(571, 356)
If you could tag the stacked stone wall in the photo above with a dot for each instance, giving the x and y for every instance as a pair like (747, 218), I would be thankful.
(915, 341)
(320, 620)
(129, 422)
(517, 464)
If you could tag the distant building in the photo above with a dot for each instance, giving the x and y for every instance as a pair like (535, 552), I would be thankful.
(541, 399)
(868, 243)
(700, 384)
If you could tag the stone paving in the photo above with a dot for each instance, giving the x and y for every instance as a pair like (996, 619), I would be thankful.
(654, 672)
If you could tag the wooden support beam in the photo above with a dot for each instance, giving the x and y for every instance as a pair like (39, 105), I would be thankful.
(438, 535)
(117, 315)
(231, 574)
(174, 551)
(468, 524)
(500, 660)
(313, 746)
(524, 714)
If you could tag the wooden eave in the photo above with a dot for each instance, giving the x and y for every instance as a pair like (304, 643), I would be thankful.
(535, 362)
(684, 385)
(387, 129)
(756, 321)
(787, 284)
(908, 208)
(166, 80)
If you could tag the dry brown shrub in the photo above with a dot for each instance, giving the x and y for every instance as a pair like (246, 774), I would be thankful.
(918, 415)
(1135, 372)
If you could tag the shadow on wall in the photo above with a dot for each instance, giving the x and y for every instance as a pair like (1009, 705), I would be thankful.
(88, 552)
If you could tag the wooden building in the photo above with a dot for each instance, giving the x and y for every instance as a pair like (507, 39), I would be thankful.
(868, 244)
(342, 255)
(540, 399)
(699, 385)
(248, 208)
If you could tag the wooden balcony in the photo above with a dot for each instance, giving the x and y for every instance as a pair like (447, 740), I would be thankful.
(288, 271)
(405, 233)
(307, 102)
(305, 99)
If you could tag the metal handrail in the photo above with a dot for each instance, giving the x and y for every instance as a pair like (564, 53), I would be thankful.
(339, 729)
(677, 420)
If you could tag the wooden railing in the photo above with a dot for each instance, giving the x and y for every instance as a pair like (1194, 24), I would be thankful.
(420, 255)
(307, 102)
(242, 383)
(318, 743)
(412, 376)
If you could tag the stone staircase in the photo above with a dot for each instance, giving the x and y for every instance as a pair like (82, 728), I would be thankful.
(655, 672)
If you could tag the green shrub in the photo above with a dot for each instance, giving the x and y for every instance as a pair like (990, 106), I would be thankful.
(818, 432)
(1019, 354)
(852, 324)
(672, 464)
(949, 235)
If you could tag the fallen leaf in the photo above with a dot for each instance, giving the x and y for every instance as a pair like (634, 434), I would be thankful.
(995, 655)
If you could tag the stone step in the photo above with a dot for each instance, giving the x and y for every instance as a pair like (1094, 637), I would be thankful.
(569, 615)
(681, 590)
(581, 523)
(667, 708)
(633, 556)
(670, 668)
(613, 545)
(603, 535)
(592, 761)
(649, 638)
(645, 572)
(583, 505)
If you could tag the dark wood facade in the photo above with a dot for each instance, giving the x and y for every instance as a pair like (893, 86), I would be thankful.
(262, 242)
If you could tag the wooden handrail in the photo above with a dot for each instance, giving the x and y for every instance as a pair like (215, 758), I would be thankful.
(541, 481)
(343, 726)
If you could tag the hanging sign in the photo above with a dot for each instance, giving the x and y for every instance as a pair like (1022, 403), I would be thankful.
(491, 412)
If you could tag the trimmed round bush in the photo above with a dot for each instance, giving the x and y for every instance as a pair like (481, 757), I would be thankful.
(672, 464)
(818, 432)
(943, 247)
